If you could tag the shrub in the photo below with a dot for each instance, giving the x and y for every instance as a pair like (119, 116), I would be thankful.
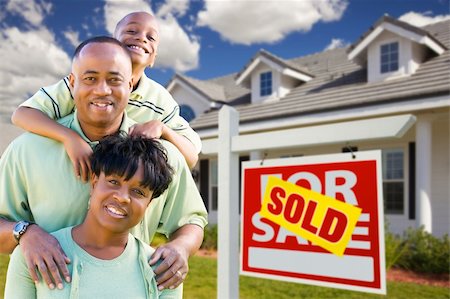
(395, 248)
(210, 238)
(425, 253)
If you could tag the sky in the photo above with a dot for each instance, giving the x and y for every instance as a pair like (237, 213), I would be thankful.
(202, 39)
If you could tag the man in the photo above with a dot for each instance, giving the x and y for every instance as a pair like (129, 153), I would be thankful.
(37, 183)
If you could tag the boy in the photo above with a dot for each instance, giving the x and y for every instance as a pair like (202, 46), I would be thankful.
(150, 104)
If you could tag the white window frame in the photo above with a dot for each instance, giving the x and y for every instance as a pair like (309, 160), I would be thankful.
(389, 63)
(404, 179)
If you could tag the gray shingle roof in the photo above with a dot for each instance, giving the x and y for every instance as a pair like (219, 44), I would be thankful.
(340, 83)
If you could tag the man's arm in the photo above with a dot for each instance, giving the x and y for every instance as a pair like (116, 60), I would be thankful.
(7, 241)
(40, 250)
(175, 254)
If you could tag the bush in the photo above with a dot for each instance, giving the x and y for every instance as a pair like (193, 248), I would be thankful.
(395, 248)
(425, 253)
(210, 238)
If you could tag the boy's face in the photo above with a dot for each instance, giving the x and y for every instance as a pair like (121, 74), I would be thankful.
(139, 32)
(116, 204)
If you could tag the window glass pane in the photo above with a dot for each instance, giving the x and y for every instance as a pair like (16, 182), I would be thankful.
(393, 181)
(265, 83)
(187, 112)
(394, 47)
(394, 66)
(213, 183)
(389, 57)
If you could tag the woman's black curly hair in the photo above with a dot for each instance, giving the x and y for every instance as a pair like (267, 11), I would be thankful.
(121, 154)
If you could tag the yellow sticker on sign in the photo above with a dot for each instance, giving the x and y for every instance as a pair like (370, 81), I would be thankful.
(323, 220)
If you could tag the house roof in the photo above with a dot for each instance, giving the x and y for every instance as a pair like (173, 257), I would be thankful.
(340, 83)
(358, 48)
(277, 61)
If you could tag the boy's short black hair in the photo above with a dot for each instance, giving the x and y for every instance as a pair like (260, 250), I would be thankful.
(100, 39)
(121, 154)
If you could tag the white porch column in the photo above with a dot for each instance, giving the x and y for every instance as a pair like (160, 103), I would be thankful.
(228, 208)
(423, 173)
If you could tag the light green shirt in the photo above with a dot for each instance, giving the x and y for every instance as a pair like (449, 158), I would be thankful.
(149, 101)
(126, 276)
(37, 183)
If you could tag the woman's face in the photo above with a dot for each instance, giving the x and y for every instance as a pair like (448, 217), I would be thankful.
(117, 204)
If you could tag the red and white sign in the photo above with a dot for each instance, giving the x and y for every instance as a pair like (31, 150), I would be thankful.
(269, 250)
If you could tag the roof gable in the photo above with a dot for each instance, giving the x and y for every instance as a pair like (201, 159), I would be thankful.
(284, 67)
(386, 23)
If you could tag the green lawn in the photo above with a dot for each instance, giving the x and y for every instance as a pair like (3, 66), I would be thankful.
(201, 283)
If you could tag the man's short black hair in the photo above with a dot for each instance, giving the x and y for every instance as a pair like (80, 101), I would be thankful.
(120, 154)
(100, 39)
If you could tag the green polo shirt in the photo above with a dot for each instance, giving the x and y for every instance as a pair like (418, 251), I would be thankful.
(149, 101)
(37, 183)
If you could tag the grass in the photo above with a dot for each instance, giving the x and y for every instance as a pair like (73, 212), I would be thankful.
(201, 284)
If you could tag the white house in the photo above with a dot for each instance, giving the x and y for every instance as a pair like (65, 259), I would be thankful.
(395, 74)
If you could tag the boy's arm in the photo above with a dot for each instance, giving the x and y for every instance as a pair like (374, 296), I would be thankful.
(37, 122)
(157, 129)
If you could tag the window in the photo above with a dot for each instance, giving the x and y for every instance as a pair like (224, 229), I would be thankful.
(214, 184)
(393, 181)
(389, 57)
(265, 81)
(187, 112)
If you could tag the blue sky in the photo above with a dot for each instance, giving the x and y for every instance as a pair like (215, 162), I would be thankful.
(200, 38)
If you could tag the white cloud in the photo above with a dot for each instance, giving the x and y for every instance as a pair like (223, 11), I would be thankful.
(418, 19)
(31, 60)
(73, 37)
(177, 50)
(248, 22)
(175, 7)
(33, 12)
(115, 10)
(336, 43)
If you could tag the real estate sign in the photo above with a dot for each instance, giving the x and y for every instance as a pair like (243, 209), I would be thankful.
(315, 220)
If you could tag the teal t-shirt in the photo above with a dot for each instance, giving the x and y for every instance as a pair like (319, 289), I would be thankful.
(126, 276)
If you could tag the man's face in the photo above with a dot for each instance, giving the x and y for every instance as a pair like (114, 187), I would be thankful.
(139, 32)
(101, 84)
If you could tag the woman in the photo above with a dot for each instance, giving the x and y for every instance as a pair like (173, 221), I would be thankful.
(106, 260)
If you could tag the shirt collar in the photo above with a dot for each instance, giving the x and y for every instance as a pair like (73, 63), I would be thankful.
(75, 125)
(141, 89)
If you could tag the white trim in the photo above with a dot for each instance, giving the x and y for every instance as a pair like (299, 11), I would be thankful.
(345, 114)
(247, 71)
(356, 51)
(351, 131)
(296, 75)
(274, 66)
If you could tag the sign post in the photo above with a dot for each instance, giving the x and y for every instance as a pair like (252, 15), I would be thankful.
(315, 220)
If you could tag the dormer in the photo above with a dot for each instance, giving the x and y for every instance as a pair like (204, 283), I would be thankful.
(195, 96)
(270, 78)
(393, 49)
